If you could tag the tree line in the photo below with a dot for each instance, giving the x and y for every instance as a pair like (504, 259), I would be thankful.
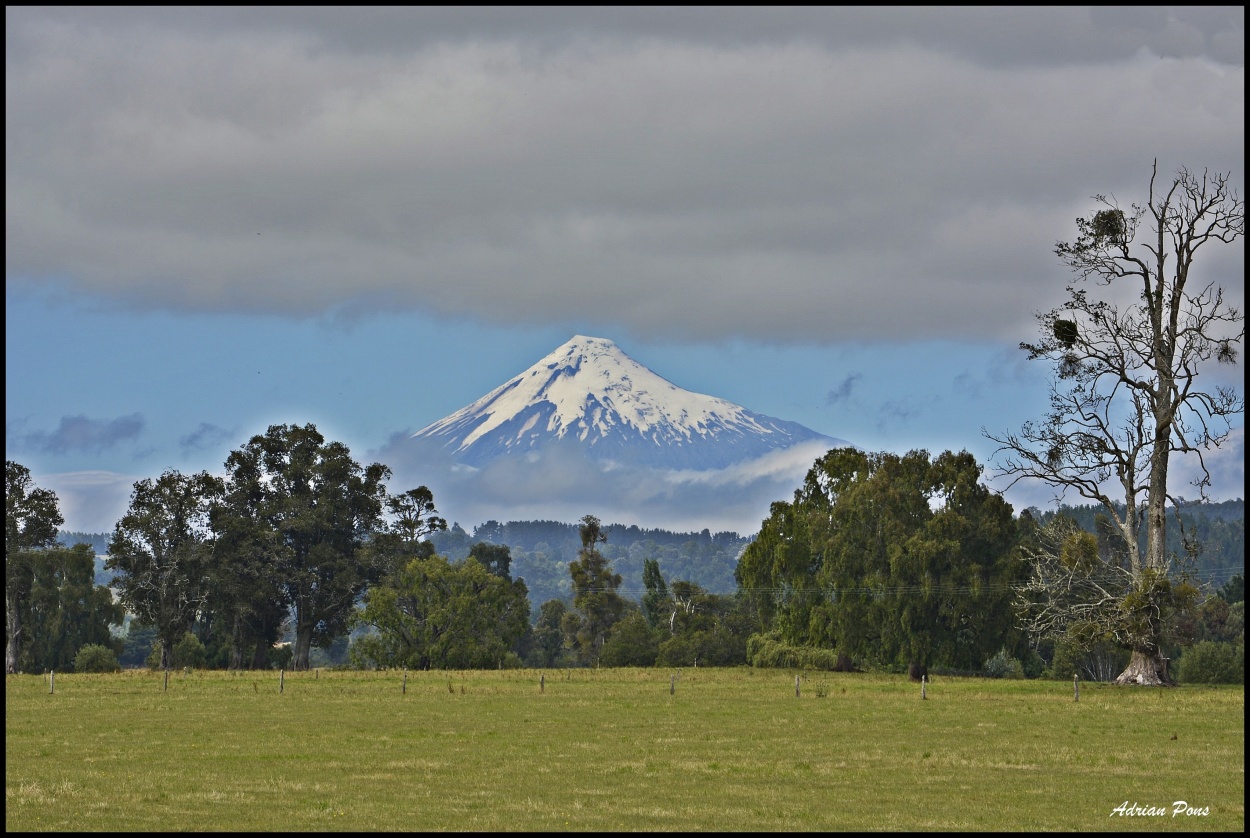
(880, 560)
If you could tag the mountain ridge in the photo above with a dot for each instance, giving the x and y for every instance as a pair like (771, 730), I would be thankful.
(589, 395)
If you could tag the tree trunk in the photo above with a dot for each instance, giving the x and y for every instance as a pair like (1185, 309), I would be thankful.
(916, 671)
(13, 647)
(1147, 668)
(303, 644)
(236, 644)
(260, 658)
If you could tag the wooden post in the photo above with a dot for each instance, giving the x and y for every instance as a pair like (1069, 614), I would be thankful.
(923, 697)
(796, 686)
(51, 682)
(166, 680)
(316, 674)
(542, 682)
(281, 680)
(1076, 687)
(672, 684)
(405, 689)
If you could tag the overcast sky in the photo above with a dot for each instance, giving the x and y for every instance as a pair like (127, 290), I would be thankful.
(367, 218)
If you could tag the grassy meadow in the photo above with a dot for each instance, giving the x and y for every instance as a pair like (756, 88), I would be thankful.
(731, 749)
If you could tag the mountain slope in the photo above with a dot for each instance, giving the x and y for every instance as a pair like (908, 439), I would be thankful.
(590, 396)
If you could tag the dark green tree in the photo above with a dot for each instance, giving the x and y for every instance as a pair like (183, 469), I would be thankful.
(1234, 589)
(633, 642)
(413, 517)
(598, 604)
(137, 644)
(324, 510)
(777, 572)
(546, 646)
(161, 551)
(31, 518)
(497, 558)
(67, 610)
(246, 600)
(891, 559)
(656, 605)
(435, 614)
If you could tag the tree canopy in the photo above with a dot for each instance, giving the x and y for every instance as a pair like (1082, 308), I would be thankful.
(888, 559)
(323, 509)
(161, 551)
(31, 518)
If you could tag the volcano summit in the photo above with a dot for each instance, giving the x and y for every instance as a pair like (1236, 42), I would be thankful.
(590, 396)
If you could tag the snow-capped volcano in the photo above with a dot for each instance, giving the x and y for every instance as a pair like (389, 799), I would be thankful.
(590, 394)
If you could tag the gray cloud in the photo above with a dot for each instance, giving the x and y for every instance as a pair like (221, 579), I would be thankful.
(788, 176)
(843, 391)
(205, 436)
(83, 434)
(896, 413)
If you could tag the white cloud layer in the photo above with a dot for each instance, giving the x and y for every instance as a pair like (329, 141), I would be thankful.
(804, 176)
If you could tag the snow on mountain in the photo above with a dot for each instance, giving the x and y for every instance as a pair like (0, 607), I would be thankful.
(590, 395)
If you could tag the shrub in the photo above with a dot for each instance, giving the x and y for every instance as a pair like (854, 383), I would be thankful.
(188, 651)
(96, 658)
(717, 647)
(632, 643)
(769, 650)
(1213, 663)
(676, 651)
(1003, 665)
(153, 661)
(1097, 661)
(281, 657)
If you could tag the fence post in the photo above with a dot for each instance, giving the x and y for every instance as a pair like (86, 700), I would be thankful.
(51, 682)
(796, 686)
(281, 680)
(672, 684)
(405, 689)
(923, 697)
(166, 680)
(1076, 687)
(542, 682)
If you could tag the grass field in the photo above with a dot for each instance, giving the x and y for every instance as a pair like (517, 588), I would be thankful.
(732, 749)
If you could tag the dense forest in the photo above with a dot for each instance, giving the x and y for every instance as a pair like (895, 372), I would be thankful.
(1217, 532)
(542, 550)
(886, 562)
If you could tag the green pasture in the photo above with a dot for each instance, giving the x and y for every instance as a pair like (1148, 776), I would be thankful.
(730, 749)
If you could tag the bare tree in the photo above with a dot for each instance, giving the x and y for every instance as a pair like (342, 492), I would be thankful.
(1125, 396)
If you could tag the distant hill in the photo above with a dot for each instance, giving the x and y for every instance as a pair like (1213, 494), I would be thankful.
(1219, 527)
(542, 550)
(99, 542)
